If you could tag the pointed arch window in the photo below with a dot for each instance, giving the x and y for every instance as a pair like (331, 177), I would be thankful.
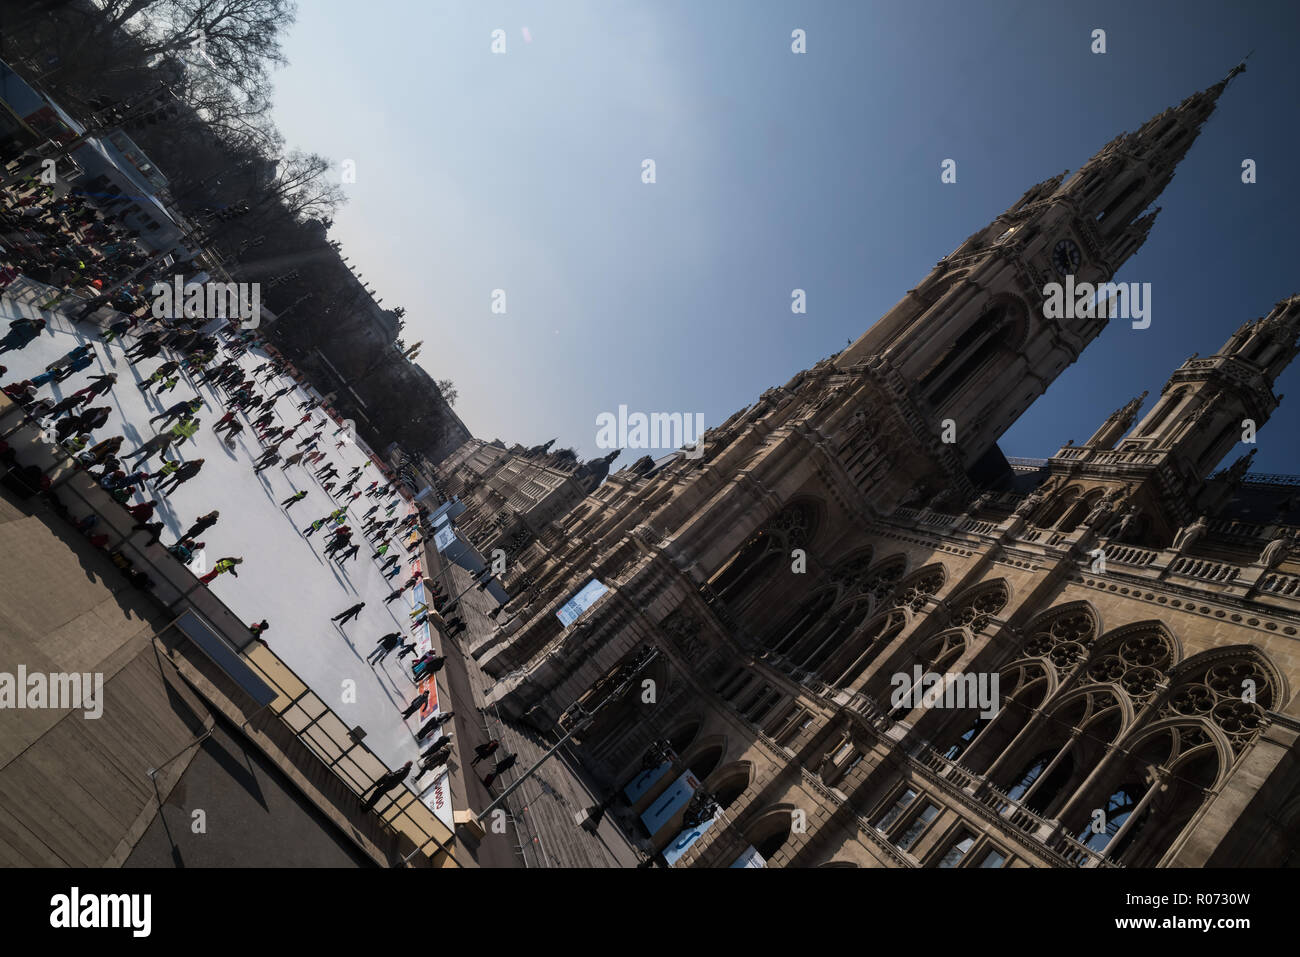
(1029, 775)
(958, 747)
(1119, 806)
(998, 331)
(1110, 213)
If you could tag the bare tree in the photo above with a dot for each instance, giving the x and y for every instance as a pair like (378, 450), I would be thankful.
(302, 188)
(240, 117)
(447, 390)
(237, 39)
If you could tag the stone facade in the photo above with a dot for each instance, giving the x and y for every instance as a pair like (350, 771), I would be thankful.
(512, 496)
(1138, 614)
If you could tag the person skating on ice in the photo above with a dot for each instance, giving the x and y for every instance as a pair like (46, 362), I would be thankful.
(442, 741)
(159, 444)
(154, 529)
(433, 724)
(343, 617)
(100, 384)
(144, 511)
(185, 550)
(293, 499)
(418, 702)
(427, 666)
(340, 540)
(385, 784)
(269, 458)
(184, 430)
(383, 646)
(180, 410)
(180, 476)
(202, 524)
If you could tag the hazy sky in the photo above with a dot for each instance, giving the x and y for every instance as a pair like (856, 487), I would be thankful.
(820, 171)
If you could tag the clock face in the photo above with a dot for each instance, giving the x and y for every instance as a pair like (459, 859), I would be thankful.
(1066, 257)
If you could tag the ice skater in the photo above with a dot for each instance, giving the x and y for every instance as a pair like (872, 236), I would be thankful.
(180, 410)
(385, 644)
(432, 759)
(159, 444)
(269, 458)
(429, 665)
(433, 724)
(153, 528)
(385, 784)
(343, 617)
(418, 702)
(293, 499)
(181, 476)
(202, 524)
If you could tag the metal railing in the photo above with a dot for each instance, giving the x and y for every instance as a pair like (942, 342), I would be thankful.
(329, 737)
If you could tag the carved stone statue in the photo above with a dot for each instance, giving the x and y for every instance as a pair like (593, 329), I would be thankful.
(1099, 511)
(940, 501)
(1277, 551)
(1190, 535)
(1029, 503)
(1125, 521)
(1239, 468)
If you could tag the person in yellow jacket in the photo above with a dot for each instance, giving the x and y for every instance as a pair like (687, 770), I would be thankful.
(222, 565)
(185, 429)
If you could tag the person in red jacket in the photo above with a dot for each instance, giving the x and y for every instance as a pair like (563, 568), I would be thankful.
(144, 511)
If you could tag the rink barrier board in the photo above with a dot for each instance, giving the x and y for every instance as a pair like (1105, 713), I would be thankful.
(329, 737)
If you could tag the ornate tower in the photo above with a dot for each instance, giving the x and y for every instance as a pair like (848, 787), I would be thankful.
(1205, 409)
(976, 325)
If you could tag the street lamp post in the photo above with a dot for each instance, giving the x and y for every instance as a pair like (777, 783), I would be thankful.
(655, 755)
(642, 661)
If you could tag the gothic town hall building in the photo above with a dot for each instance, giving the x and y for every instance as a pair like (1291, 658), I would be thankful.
(1139, 611)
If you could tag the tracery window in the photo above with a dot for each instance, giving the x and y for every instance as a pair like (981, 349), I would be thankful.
(764, 552)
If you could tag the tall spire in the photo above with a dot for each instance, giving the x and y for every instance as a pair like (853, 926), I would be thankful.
(1119, 422)
(1127, 174)
(978, 322)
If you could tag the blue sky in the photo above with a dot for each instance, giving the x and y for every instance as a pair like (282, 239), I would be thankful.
(522, 172)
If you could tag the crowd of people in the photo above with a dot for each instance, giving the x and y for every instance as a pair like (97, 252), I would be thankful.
(66, 243)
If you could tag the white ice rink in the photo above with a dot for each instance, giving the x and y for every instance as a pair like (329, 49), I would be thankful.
(284, 578)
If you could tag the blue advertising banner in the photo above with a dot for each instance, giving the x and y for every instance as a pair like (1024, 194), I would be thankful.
(750, 857)
(670, 802)
(644, 781)
(580, 602)
(444, 537)
(682, 843)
